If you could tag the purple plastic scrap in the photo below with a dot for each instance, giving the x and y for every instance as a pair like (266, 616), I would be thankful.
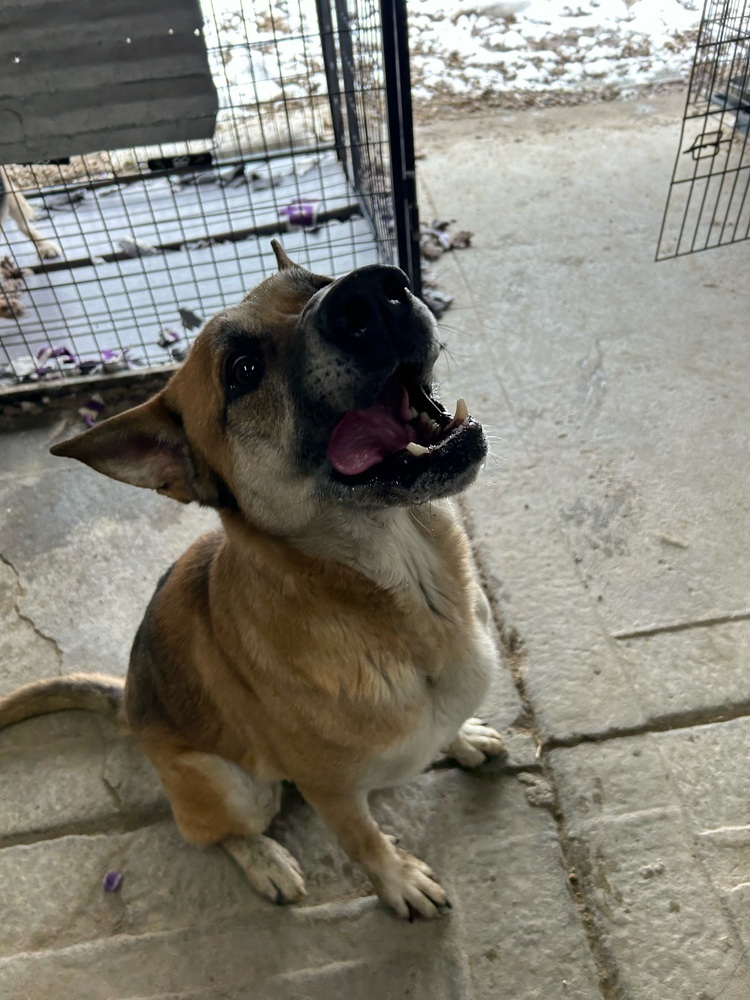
(92, 409)
(300, 214)
(169, 336)
(63, 355)
(112, 881)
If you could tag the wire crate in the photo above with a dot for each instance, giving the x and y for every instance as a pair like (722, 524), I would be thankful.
(709, 202)
(312, 144)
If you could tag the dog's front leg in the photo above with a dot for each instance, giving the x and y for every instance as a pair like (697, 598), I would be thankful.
(402, 881)
(475, 743)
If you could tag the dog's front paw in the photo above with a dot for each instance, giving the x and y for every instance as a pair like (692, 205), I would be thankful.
(270, 868)
(47, 249)
(409, 887)
(475, 743)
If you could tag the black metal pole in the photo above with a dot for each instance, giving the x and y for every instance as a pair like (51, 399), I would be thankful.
(350, 97)
(401, 134)
(330, 61)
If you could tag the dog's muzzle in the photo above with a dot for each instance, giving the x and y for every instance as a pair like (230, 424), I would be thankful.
(393, 435)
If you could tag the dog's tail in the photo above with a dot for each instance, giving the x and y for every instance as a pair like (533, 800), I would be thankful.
(93, 692)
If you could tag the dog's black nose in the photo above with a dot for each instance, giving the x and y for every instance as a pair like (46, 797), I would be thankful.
(367, 308)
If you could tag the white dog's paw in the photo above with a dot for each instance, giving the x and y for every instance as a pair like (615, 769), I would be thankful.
(475, 743)
(408, 886)
(270, 868)
(47, 249)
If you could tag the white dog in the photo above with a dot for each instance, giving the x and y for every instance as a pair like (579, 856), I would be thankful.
(13, 204)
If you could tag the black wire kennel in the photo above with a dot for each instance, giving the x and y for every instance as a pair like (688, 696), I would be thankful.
(709, 201)
(312, 143)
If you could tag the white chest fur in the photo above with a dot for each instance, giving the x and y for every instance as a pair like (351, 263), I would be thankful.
(409, 562)
(454, 697)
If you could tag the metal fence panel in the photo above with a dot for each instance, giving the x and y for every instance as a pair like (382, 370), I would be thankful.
(155, 239)
(708, 203)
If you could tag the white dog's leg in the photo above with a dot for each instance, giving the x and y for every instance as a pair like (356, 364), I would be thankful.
(22, 213)
(475, 743)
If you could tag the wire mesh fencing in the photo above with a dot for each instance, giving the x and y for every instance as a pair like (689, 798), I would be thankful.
(709, 204)
(131, 249)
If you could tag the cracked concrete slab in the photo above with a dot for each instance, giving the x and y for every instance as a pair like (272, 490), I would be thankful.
(84, 776)
(494, 940)
(696, 674)
(661, 921)
(87, 553)
(24, 652)
(709, 768)
(653, 526)
(309, 952)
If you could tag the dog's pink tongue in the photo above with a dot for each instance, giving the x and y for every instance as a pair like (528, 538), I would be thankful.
(362, 438)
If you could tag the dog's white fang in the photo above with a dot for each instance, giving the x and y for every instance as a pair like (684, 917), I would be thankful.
(461, 413)
(416, 449)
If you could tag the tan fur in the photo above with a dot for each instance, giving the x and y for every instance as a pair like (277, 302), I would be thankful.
(333, 645)
(13, 204)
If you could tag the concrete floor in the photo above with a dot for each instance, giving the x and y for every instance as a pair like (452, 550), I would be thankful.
(610, 857)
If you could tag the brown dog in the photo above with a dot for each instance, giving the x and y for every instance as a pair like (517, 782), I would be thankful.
(332, 632)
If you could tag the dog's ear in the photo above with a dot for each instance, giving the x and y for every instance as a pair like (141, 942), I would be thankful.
(145, 446)
(315, 281)
(282, 260)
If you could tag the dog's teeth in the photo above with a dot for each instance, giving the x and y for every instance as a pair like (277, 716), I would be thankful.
(462, 411)
(416, 449)
(428, 425)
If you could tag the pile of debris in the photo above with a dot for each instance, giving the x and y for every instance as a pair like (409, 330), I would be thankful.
(434, 241)
(12, 284)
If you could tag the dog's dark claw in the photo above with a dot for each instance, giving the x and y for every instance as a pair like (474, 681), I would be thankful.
(448, 905)
(279, 901)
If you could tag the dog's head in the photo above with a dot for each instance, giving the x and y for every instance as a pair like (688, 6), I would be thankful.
(310, 392)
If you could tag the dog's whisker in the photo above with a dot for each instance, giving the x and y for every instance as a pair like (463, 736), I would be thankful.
(497, 459)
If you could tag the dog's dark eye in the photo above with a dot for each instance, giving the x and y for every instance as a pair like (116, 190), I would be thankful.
(245, 372)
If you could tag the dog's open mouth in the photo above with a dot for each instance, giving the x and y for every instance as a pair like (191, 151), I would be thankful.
(405, 430)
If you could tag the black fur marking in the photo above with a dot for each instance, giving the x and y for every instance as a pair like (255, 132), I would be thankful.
(226, 499)
(157, 667)
(206, 485)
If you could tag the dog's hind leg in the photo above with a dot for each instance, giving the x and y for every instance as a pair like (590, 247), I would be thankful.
(216, 802)
(270, 868)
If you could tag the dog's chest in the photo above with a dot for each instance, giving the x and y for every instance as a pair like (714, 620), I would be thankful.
(453, 655)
